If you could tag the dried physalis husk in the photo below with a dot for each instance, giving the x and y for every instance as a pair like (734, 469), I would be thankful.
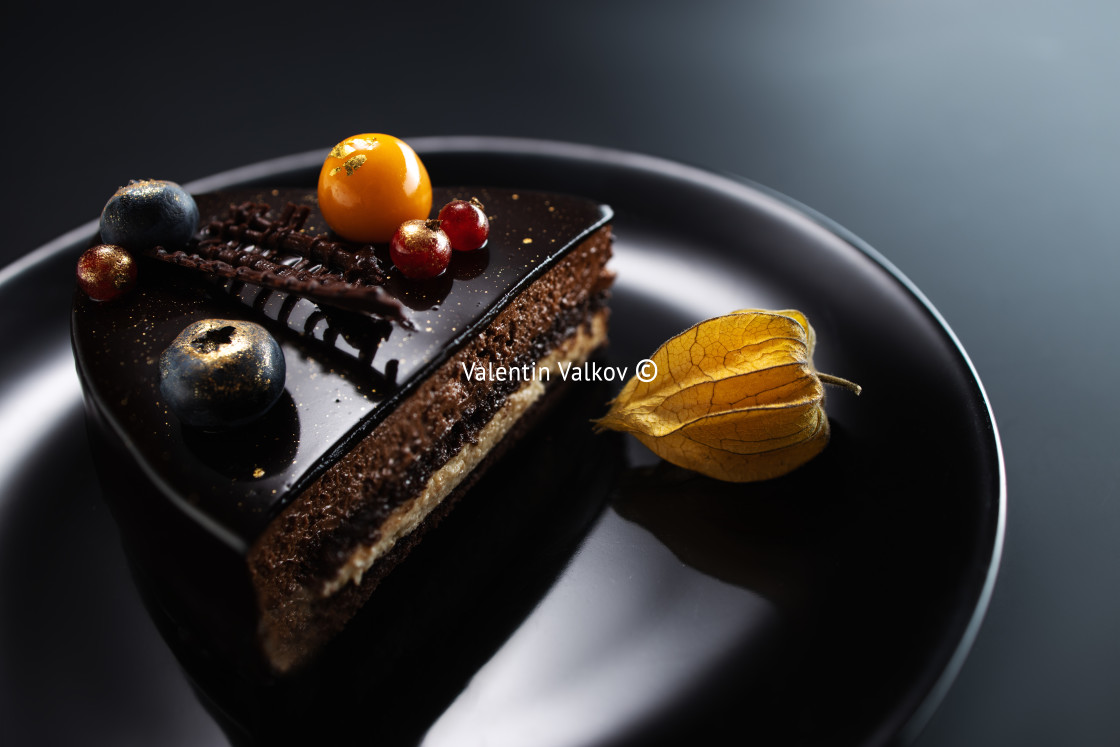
(735, 398)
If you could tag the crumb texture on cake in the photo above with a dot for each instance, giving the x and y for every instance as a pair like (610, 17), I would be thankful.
(408, 516)
(360, 501)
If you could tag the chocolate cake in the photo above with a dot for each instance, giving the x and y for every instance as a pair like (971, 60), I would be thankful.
(264, 539)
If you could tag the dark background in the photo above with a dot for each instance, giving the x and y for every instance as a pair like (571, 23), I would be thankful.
(975, 144)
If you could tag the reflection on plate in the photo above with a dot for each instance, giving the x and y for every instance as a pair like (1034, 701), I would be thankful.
(831, 606)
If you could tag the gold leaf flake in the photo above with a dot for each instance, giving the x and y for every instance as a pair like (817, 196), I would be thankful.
(342, 150)
(354, 163)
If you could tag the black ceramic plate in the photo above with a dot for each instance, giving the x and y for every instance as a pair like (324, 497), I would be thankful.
(831, 606)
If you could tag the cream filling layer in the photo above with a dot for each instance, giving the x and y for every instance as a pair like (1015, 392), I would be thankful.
(409, 515)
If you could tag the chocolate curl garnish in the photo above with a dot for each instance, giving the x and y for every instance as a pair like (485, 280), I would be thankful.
(275, 254)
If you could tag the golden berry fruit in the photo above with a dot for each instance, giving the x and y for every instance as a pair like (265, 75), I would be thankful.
(370, 184)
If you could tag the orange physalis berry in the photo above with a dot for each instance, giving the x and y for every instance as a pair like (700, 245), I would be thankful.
(370, 184)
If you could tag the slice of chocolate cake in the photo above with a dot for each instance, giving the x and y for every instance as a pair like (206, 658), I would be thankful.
(266, 537)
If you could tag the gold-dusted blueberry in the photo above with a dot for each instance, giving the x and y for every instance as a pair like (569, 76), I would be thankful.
(105, 272)
(148, 213)
(221, 373)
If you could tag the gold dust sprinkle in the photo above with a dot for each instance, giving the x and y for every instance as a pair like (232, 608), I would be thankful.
(526, 241)
(258, 472)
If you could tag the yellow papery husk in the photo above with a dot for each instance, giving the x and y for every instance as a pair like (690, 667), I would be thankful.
(735, 398)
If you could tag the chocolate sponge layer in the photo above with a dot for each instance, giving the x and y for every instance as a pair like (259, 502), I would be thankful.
(293, 563)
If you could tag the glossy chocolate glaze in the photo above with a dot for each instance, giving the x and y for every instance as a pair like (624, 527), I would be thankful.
(346, 370)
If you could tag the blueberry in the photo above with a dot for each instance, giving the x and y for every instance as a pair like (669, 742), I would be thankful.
(220, 373)
(148, 213)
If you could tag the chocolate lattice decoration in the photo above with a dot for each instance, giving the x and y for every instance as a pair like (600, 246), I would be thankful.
(350, 333)
(251, 248)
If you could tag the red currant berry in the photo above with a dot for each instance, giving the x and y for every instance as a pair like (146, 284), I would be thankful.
(420, 249)
(465, 223)
(106, 271)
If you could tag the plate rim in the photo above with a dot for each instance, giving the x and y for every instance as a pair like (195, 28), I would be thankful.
(905, 729)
